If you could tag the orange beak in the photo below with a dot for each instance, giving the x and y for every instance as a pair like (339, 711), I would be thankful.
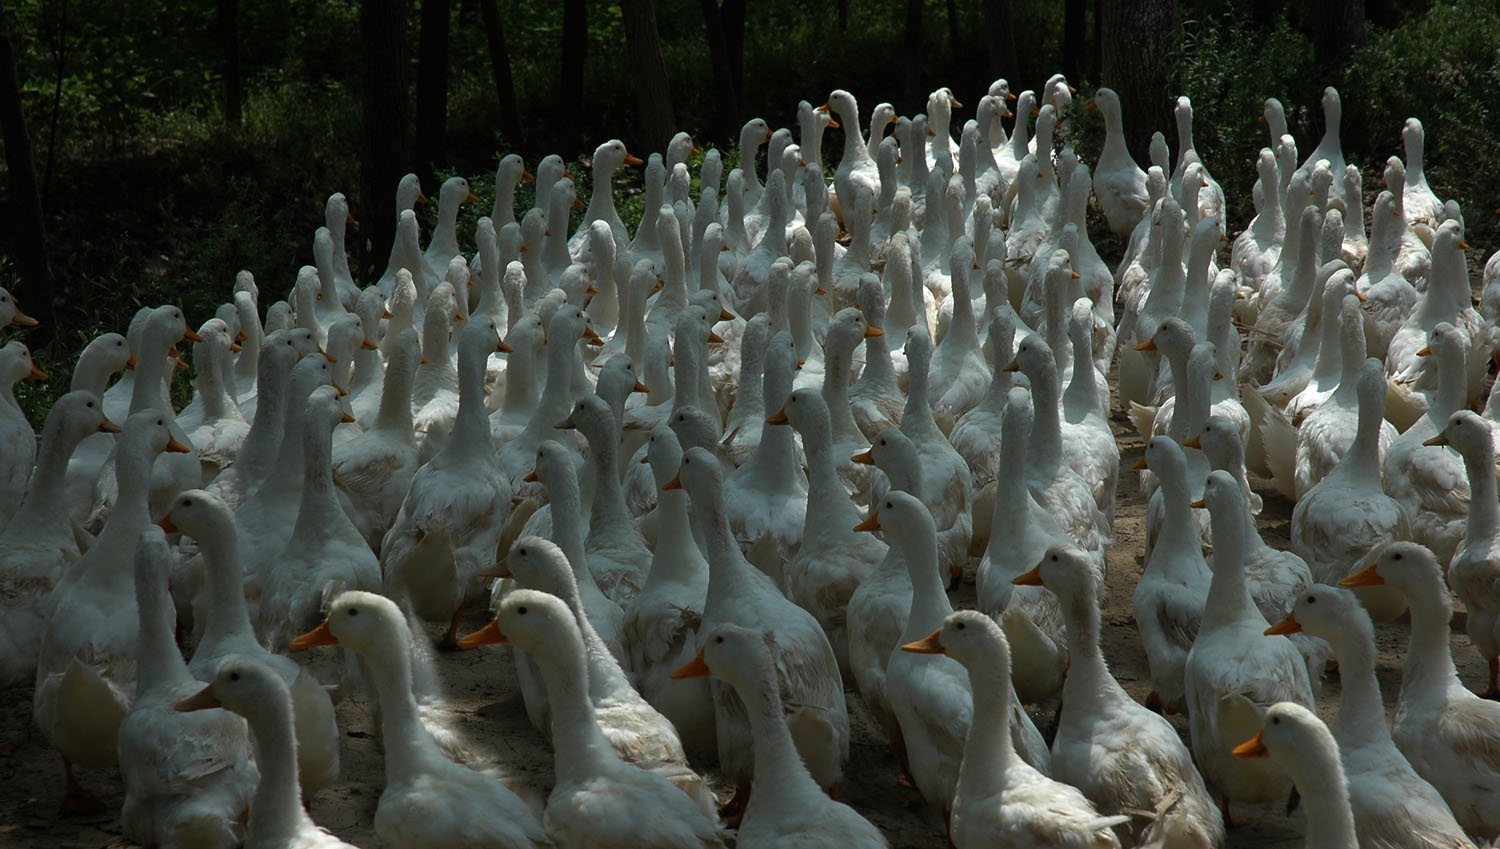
(639, 387)
(866, 457)
(527, 176)
(236, 347)
(589, 334)
(1366, 577)
(872, 330)
(368, 345)
(778, 418)
(1289, 625)
(1139, 465)
(1193, 442)
(694, 668)
(487, 636)
(472, 198)
(166, 524)
(632, 159)
(319, 636)
(1255, 747)
(192, 335)
(36, 374)
(871, 524)
(927, 645)
(108, 426)
(130, 363)
(1032, 578)
(176, 447)
(1148, 345)
(21, 319)
(202, 701)
(674, 483)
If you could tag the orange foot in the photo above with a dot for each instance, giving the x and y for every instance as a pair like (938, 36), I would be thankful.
(76, 800)
(734, 812)
(449, 642)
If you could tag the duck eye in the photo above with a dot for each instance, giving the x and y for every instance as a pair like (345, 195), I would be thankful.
(234, 676)
(1275, 720)
(523, 554)
(353, 611)
(958, 626)
(187, 502)
(90, 405)
(1312, 599)
(719, 639)
(521, 610)
(1396, 556)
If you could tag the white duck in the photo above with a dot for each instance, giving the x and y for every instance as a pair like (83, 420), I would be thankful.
(1119, 184)
(1297, 741)
(227, 633)
(617, 555)
(945, 474)
(374, 470)
(833, 560)
(444, 245)
(35, 547)
(930, 697)
(1389, 297)
(1347, 514)
(661, 624)
(1421, 206)
(1392, 805)
(1169, 599)
(788, 808)
(1449, 735)
(740, 594)
(1428, 480)
(597, 800)
(428, 799)
(325, 554)
(1123, 757)
(277, 819)
(999, 799)
(1234, 672)
(451, 522)
(86, 665)
(1475, 564)
(188, 779)
(19, 454)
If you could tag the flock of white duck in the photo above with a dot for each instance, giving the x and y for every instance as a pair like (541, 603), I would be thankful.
(671, 448)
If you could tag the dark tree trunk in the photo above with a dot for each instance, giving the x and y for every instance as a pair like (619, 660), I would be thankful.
(575, 52)
(732, 16)
(1000, 41)
(653, 97)
(229, 42)
(1073, 39)
(28, 229)
(505, 84)
(384, 117)
(727, 114)
(1337, 25)
(1096, 66)
(843, 12)
(1140, 47)
(432, 86)
(911, 86)
(956, 52)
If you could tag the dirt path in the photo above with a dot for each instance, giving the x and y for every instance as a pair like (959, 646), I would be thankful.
(486, 709)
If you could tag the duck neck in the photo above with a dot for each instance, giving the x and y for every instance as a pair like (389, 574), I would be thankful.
(1361, 717)
(929, 602)
(290, 454)
(224, 581)
(367, 369)
(1484, 508)
(319, 499)
(828, 503)
(608, 510)
(727, 569)
(856, 151)
(408, 747)
(1320, 777)
(276, 813)
(676, 549)
(1046, 427)
(836, 395)
(159, 660)
(1428, 667)
(916, 418)
(264, 438)
(1088, 681)
(988, 752)
(1179, 535)
(580, 746)
(602, 196)
(774, 463)
(150, 370)
(1362, 463)
(44, 500)
(780, 772)
(1228, 592)
(1082, 394)
(568, 526)
(395, 414)
(471, 424)
(521, 389)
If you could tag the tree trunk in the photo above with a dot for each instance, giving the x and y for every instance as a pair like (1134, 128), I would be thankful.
(653, 97)
(727, 101)
(956, 52)
(575, 52)
(843, 13)
(911, 84)
(1073, 39)
(505, 84)
(732, 17)
(384, 117)
(28, 228)
(1139, 53)
(1000, 41)
(229, 42)
(1337, 25)
(1096, 65)
(432, 86)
